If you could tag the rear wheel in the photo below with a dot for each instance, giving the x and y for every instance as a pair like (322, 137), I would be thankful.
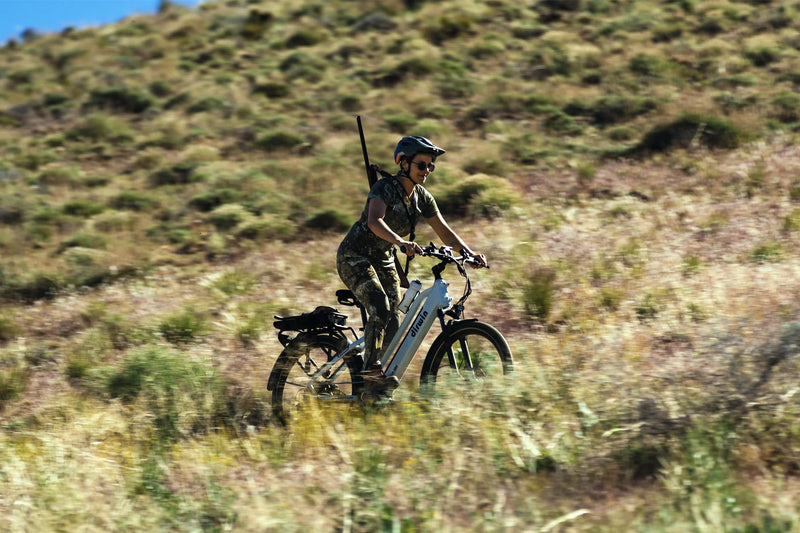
(468, 352)
(303, 357)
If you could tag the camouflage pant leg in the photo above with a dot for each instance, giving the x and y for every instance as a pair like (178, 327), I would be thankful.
(377, 287)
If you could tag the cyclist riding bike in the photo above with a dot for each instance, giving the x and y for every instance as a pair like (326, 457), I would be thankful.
(365, 259)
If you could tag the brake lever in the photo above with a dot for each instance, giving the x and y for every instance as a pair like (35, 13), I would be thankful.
(470, 259)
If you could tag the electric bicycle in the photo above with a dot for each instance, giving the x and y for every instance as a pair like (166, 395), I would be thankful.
(322, 357)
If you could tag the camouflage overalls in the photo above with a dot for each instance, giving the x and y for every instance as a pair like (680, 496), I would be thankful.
(366, 262)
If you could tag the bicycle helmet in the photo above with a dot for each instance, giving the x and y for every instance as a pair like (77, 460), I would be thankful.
(410, 146)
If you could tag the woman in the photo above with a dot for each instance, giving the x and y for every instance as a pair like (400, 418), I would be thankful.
(365, 259)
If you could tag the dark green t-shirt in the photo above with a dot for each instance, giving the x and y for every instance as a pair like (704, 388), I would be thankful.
(401, 213)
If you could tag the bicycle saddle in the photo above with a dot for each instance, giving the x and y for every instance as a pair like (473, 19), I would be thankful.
(346, 297)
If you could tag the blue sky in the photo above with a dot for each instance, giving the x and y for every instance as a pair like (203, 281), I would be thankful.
(47, 16)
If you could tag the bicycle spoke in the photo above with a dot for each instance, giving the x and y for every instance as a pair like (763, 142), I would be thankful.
(470, 352)
(334, 384)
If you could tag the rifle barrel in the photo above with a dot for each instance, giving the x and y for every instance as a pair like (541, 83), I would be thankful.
(371, 177)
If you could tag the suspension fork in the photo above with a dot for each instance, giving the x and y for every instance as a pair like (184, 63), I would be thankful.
(467, 358)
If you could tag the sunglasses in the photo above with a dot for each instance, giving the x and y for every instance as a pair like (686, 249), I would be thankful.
(422, 166)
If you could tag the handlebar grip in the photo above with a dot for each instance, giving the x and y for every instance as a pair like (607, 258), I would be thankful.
(403, 248)
(475, 262)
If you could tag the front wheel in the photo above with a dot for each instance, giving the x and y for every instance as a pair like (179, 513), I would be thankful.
(467, 351)
(291, 380)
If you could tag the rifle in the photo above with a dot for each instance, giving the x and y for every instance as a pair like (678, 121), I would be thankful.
(372, 177)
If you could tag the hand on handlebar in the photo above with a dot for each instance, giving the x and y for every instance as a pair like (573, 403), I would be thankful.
(475, 260)
(410, 248)
(481, 260)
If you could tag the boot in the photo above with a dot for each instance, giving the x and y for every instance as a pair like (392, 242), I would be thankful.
(377, 383)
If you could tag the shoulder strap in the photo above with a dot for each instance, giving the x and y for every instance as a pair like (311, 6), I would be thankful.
(410, 213)
(412, 220)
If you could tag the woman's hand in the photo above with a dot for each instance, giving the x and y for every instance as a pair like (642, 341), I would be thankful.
(410, 248)
(480, 259)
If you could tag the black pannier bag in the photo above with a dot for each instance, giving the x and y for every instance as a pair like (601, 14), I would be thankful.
(321, 318)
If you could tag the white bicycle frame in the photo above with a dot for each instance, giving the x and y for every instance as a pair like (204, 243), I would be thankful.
(418, 321)
(415, 327)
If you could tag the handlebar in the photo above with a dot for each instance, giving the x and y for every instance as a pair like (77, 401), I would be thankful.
(445, 254)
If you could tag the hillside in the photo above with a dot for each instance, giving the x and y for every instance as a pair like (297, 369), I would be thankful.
(172, 181)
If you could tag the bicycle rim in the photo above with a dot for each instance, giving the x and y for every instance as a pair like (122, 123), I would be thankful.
(295, 391)
(479, 354)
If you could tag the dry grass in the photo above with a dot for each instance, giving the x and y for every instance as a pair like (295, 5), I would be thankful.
(606, 409)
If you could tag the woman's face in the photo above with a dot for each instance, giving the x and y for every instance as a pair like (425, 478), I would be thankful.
(416, 174)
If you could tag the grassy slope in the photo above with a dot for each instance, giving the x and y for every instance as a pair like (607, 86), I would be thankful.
(160, 181)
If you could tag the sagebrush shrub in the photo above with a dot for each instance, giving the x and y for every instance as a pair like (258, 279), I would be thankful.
(101, 127)
(134, 201)
(272, 89)
(786, 107)
(646, 64)
(9, 329)
(12, 384)
(83, 208)
(329, 220)
(707, 130)
(305, 37)
(538, 291)
(269, 228)
(611, 109)
(300, 65)
(178, 174)
(209, 104)
(400, 122)
(183, 327)
(160, 88)
(11, 214)
(611, 298)
(84, 240)
(462, 198)
(58, 176)
(768, 252)
(120, 99)
(228, 216)
(490, 165)
(235, 282)
(32, 286)
(210, 200)
(256, 24)
(455, 80)
(446, 27)
(183, 396)
(559, 122)
(762, 56)
(280, 140)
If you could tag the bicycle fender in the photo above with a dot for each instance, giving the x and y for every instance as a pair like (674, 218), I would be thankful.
(284, 360)
(282, 363)
(453, 323)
